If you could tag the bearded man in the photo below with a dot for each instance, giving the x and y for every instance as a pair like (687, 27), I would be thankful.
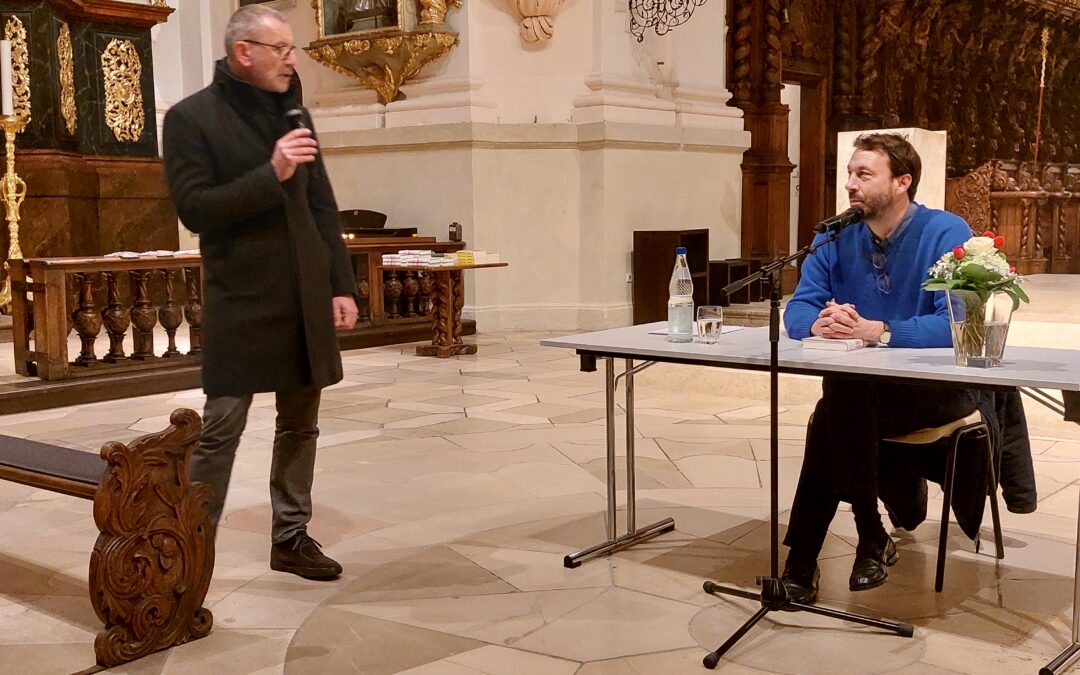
(868, 285)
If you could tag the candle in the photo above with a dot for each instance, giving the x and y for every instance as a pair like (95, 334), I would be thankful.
(6, 104)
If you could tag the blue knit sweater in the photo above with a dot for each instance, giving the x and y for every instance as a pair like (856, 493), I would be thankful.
(842, 271)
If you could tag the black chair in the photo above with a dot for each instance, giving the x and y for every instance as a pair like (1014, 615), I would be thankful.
(956, 433)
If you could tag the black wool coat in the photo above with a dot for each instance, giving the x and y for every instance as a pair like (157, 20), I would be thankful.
(273, 256)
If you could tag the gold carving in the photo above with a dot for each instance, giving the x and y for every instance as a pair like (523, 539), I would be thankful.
(390, 44)
(67, 79)
(434, 11)
(14, 191)
(356, 46)
(317, 6)
(122, 69)
(20, 66)
(386, 68)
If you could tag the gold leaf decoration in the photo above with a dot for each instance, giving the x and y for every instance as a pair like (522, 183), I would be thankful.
(64, 54)
(20, 66)
(122, 70)
(390, 44)
(357, 46)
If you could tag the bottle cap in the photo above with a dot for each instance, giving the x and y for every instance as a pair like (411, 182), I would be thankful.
(680, 250)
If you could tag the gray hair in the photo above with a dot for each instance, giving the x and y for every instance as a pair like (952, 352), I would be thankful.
(244, 22)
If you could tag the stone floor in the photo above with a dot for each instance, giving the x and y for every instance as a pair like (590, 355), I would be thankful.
(452, 489)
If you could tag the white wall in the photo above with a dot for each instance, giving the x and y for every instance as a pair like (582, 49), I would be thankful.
(550, 154)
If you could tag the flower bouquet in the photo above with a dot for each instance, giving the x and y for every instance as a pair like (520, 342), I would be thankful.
(982, 290)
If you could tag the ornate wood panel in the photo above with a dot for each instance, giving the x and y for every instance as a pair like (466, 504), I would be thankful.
(975, 68)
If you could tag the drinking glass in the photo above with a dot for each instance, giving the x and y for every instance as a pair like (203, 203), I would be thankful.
(710, 323)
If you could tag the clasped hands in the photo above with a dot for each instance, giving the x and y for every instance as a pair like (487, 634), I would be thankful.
(841, 321)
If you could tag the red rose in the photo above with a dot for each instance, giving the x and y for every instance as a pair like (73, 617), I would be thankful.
(959, 252)
(1012, 268)
(999, 242)
(988, 234)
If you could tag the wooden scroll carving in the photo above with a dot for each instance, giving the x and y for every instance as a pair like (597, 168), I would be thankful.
(154, 555)
(969, 197)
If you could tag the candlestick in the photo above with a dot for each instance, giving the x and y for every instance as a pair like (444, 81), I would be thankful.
(12, 192)
(6, 100)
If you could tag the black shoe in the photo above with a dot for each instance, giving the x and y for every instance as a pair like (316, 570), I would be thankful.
(302, 556)
(801, 581)
(869, 568)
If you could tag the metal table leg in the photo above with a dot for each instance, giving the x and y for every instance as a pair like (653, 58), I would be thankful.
(1070, 654)
(633, 535)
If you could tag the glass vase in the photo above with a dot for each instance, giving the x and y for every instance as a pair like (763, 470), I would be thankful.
(980, 324)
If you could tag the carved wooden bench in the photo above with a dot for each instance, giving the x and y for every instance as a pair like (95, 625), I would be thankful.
(154, 556)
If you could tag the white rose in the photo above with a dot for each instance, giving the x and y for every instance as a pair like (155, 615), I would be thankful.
(977, 245)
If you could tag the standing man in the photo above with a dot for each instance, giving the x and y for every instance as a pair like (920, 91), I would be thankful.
(868, 285)
(245, 174)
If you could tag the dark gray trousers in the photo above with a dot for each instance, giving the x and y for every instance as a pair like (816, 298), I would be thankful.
(293, 464)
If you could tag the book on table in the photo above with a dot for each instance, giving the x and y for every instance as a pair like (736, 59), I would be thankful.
(836, 344)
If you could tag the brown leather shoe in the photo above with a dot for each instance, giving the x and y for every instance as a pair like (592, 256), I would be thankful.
(302, 556)
(869, 568)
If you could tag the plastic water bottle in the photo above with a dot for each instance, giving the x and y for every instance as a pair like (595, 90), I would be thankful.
(680, 304)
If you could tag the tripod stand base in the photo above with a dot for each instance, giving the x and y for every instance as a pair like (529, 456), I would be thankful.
(1062, 661)
(773, 597)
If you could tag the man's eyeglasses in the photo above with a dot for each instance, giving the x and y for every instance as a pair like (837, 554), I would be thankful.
(881, 277)
(281, 51)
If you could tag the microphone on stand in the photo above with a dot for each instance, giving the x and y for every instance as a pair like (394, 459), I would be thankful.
(839, 221)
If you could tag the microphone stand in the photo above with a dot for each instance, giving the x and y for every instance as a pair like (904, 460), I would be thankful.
(773, 596)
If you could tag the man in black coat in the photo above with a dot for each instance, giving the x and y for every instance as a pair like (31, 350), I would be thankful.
(248, 179)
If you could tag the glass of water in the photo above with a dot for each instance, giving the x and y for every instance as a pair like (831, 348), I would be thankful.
(710, 323)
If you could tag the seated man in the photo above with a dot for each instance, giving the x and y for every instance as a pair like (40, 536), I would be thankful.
(868, 285)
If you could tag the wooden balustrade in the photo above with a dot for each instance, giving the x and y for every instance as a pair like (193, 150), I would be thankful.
(397, 296)
(1035, 207)
(130, 298)
(126, 297)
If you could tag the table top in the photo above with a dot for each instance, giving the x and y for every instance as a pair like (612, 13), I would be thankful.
(749, 349)
(436, 268)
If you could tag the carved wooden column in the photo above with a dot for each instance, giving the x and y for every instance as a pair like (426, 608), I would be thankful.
(193, 308)
(754, 77)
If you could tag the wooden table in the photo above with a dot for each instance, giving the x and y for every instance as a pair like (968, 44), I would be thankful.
(447, 299)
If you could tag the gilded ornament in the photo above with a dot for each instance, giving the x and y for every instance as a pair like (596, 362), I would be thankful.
(389, 45)
(434, 11)
(384, 58)
(64, 54)
(357, 46)
(20, 67)
(122, 70)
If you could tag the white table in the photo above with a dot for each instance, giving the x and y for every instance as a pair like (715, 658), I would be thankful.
(748, 349)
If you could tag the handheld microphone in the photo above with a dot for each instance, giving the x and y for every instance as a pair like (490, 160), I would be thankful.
(840, 220)
(296, 118)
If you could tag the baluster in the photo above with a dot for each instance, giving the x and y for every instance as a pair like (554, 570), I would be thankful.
(392, 293)
(142, 315)
(193, 308)
(115, 318)
(86, 320)
(1061, 247)
(169, 314)
(363, 290)
(410, 299)
(457, 286)
(426, 288)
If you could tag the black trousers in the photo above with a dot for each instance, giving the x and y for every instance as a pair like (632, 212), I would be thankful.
(841, 459)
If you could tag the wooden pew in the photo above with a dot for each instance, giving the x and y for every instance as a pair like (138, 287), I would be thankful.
(154, 554)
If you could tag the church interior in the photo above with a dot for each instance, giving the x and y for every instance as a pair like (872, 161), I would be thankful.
(568, 146)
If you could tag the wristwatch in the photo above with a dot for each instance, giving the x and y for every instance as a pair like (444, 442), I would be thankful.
(886, 334)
